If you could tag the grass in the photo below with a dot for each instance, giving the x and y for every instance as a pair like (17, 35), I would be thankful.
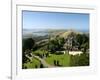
(33, 64)
(64, 59)
(39, 52)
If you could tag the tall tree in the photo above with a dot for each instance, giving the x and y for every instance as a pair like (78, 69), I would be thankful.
(28, 43)
(26, 47)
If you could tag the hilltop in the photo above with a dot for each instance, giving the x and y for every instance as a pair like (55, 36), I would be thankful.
(65, 33)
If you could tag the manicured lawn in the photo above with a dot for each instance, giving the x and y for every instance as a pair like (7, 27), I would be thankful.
(64, 59)
(33, 64)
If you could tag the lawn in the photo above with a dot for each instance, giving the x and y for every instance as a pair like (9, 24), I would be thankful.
(64, 59)
(33, 64)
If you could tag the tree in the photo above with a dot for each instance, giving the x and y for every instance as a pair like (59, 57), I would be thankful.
(85, 46)
(79, 39)
(51, 46)
(28, 43)
(83, 40)
(56, 44)
(79, 60)
(26, 47)
(61, 42)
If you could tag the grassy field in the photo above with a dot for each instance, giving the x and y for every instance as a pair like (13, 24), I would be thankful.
(64, 59)
(33, 64)
(57, 60)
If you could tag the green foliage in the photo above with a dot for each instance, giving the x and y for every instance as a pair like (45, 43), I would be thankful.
(26, 47)
(41, 53)
(33, 64)
(85, 47)
(28, 43)
(79, 60)
(83, 40)
(56, 44)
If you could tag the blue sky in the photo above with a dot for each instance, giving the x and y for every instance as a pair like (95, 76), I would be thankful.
(55, 20)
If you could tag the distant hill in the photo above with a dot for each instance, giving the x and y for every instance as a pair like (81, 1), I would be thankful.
(66, 33)
(51, 32)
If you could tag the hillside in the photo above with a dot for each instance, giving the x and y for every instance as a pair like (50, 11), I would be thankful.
(65, 33)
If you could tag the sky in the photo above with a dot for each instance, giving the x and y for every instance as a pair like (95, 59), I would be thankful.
(55, 20)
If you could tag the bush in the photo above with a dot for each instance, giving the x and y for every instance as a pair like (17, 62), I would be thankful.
(79, 60)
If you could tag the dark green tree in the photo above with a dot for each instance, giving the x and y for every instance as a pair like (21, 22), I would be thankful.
(27, 45)
(83, 40)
